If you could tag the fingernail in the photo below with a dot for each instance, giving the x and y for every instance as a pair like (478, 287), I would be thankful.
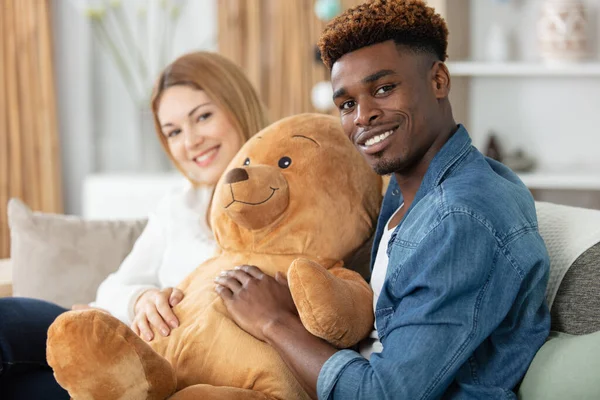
(148, 338)
(238, 267)
(164, 331)
(223, 273)
(174, 324)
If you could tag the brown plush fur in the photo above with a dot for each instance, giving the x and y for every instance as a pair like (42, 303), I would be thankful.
(300, 220)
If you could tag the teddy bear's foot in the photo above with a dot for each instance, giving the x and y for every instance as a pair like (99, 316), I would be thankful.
(334, 304)
(209, 392)
(96, 356)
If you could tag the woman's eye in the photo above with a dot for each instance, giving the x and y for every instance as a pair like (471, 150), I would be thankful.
(247, 162)
(385, 89)
(204, 117)
(347, 105)
(174, 133)
(285, 162)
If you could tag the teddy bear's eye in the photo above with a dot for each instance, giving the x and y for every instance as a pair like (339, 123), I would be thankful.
(247, 161)
(285, 162)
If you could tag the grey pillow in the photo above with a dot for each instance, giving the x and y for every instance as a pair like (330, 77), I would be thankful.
(63, 259)
(576, 308)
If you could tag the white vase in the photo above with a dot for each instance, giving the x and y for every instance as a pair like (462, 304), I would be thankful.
(563, 31)
(498, 44)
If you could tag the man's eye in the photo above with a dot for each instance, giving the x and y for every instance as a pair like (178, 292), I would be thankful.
(384, 89)
(174, 133)
(347, 105)
(204, 116)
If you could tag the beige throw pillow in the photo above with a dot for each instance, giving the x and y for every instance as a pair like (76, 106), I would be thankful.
(63, 259)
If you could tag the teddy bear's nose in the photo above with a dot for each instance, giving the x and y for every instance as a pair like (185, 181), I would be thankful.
(236, 175)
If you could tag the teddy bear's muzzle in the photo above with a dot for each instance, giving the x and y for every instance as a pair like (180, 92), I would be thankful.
(255, 196)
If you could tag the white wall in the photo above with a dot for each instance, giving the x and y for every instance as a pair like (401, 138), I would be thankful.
(72, 68)
(97, 118)
(556, 119)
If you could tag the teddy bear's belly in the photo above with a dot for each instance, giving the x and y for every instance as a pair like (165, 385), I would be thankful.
(210, 348)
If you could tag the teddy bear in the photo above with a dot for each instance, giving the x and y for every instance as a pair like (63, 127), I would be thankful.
(297, 199)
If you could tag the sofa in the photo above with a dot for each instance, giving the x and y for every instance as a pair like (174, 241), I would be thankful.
(63, 259)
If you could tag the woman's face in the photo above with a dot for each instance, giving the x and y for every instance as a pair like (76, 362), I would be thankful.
(201, 138)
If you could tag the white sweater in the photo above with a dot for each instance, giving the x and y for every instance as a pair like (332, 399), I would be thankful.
(176, 240)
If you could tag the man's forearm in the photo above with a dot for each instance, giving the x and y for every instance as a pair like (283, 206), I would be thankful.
(303, 353)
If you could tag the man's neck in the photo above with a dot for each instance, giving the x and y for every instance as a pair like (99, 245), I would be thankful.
(410, 181)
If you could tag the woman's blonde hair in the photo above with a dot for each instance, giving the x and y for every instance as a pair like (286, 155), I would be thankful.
(224, 83)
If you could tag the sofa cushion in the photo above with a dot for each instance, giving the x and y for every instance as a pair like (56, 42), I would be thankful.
(63, 259)
(566, 367)
(576, 308)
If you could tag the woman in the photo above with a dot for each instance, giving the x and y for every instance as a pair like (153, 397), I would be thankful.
(204, 110)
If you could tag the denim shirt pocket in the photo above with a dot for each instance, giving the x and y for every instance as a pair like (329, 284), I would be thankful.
(399, 252)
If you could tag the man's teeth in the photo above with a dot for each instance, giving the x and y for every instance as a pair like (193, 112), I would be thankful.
(205, 156)
(378, 138)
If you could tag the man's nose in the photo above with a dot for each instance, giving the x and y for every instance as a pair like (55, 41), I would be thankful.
(366, 114)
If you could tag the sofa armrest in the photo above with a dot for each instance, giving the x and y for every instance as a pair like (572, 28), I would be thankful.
(5, 278)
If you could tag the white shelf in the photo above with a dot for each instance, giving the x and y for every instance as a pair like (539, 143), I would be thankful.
(515, 69)
(561, 181)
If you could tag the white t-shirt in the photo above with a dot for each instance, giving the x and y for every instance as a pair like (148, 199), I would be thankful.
(372, 344)
(175, 241)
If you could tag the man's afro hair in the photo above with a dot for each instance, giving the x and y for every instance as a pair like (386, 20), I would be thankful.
(407, 22)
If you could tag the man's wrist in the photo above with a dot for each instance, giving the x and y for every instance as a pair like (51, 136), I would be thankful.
(279, 326)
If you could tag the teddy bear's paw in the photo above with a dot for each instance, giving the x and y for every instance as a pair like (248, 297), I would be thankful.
(335, 304)
(209, 392)
(96, 356)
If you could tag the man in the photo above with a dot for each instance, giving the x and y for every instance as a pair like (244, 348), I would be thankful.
(459, 268)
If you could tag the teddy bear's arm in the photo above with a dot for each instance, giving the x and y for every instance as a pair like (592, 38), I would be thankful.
(335, 304)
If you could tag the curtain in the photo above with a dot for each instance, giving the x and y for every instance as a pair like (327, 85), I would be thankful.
(29, 154)
(274, 41)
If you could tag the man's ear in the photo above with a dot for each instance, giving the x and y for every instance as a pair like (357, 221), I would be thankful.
(441, 80)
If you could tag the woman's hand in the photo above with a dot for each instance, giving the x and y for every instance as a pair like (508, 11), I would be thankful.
(255, 300)
(154, 308)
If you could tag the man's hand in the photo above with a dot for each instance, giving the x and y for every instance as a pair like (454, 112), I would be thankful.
(255, 300)
(155, 308)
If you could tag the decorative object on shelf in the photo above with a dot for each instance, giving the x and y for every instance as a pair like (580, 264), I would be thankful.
(563, 31)
(322, 96)
(498, 47)
(519, 161)
(499, 36)
(140, 48)
(326, 10)
(493, 149)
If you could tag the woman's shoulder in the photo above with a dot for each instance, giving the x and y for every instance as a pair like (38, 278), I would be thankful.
(184, 200)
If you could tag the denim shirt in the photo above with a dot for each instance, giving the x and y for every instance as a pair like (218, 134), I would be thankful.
(462, 311)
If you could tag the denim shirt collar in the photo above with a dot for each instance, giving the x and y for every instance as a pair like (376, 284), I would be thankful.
(457, 146)
(444, 161)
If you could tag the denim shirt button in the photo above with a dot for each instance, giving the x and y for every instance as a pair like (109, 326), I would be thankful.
(396, 192)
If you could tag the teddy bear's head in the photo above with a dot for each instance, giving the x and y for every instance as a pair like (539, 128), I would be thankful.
(297, 187)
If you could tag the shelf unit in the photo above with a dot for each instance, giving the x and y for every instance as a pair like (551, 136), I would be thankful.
(512, 99)
(562, 180)
(516, 69)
